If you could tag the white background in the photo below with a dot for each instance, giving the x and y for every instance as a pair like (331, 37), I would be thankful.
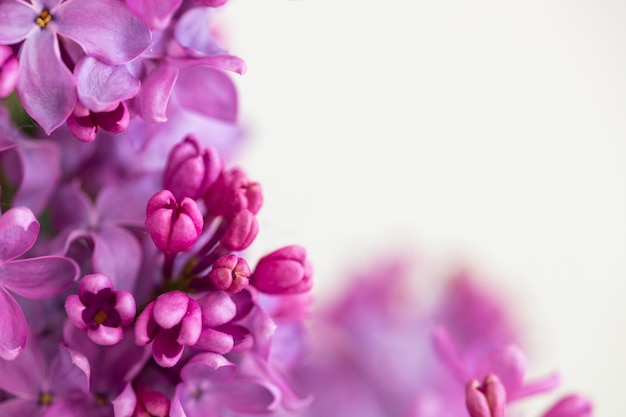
(487, 133)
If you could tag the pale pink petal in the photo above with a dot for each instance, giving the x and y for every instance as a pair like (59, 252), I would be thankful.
(124, 404)
(207, 91)
(38, 278)
(101, 87)
(46, 86)
(156, 14)
(69, 373)
(17, 21)
(13, 327)
(18, 232)
(106, 30)
(105, 336)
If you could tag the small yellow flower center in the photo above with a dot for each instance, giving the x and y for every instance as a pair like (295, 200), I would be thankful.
(45, 398)
(44, 18)
(100, 317)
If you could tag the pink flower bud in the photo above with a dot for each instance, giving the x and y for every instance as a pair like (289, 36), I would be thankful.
(284, 271)
(233, 192)
(190, 169)
(241, 231)
(84, 124)
(173, 227)
(230, 273)
(486, 400)
(9, 71)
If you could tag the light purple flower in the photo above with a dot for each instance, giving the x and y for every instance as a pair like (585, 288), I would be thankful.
(37, 278)
(105, 30)
(233, 192)
(100, 310)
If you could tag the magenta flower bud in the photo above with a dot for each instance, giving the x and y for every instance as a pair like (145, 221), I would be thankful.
(284, 271)
(571, 406)
(486, 400)
(241, 231)
(173, 227)
(84, 124)
(191, 170)
(233, 192)
(151, 404)
(230, 273)
(9, 71)
(100, 310)
(171, 322)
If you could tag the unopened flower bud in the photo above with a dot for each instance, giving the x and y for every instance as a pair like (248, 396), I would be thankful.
(173, 227)
(233, 192)
(190, 169)
(84, 124)
(486, 400)
(230, 273)
(284, 271)
(9, 70)
(241, 231)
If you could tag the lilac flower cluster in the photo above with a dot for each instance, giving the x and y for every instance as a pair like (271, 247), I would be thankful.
(380, 353)
(124, 290)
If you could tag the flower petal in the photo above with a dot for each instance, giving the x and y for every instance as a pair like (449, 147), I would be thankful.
(13, 327)
(118, 255)
(23, 376)
(18, 407)
(46, 86)
(508, 363)
(106, 336)
(40, 277)
(192, 32)
(155, 92)
(17, 21)
(41, 170)
(165, 350)
(248, 396)
(156, 14)
(207, 91)
(101, 87)
(69, 373)
(18, 232)
(105, 29)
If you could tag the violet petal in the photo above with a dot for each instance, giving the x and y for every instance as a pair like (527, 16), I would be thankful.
(24, 375)
(69, 373)
(46, 87)
(13, 327)
(156, 14)
(19, 407)
(165, 350)
(170, 308)
(207, 91)
(118, 255)
(105, 29)
(124, 404)
(18, 232)
(156, 89)
(249, 396)
(17, 22)
(40, 277)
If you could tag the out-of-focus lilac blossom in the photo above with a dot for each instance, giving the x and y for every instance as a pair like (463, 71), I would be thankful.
(571, 406)
(171, 322)
(105, 30)
(9, 71)
(233, 192)
(284, 271)
(38, 278)
(218, 309)
(191, 170)
(211, 386)
(41, 388)
(100, 310)
(173, 227)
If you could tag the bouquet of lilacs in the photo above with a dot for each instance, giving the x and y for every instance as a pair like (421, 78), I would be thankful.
(123, 286)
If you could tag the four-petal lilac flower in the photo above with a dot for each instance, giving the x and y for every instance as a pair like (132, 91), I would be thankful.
(105, 30)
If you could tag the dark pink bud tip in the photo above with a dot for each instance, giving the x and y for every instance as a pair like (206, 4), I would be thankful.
(173, 227)
(486, 400)
(230, 273)
(241, 231)
(284, 271)
(191, 170)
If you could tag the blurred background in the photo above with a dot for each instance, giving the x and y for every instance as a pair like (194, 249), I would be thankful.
(486, 134)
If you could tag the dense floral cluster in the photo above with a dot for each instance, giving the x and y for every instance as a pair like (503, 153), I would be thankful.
(124, 290)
